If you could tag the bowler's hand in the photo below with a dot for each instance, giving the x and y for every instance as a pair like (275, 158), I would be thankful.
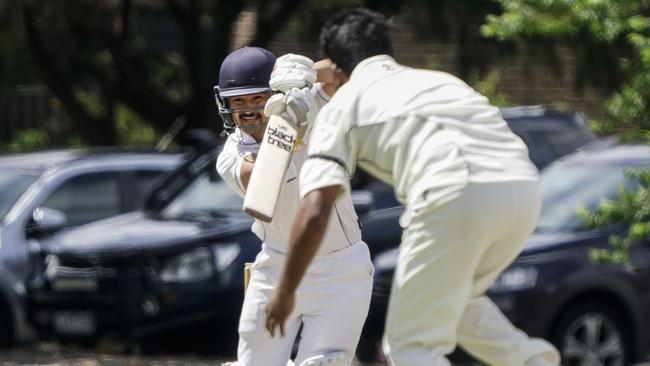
(278, 310)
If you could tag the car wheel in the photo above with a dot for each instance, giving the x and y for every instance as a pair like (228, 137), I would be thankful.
(592, 334)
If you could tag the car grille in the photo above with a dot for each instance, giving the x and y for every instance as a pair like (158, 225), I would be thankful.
(98, 274)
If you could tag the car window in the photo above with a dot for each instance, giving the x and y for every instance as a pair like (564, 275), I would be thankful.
(87, 198)
(144, 179)
(550, 137)
(565, 141)
(565, 188)
(13, 183)
(204, 197)
(539, 151)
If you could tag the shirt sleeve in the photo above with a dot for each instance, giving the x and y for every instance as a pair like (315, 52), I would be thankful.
(319, 173)
(332, 152)
(320, 97)
(229, 164)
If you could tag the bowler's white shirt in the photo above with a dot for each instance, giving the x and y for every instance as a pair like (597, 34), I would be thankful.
(427, 133)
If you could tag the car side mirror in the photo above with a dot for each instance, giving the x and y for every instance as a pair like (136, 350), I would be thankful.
(363, 201)
(46, 221)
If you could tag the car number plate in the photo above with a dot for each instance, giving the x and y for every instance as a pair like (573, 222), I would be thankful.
(74, 322)
(74, 284)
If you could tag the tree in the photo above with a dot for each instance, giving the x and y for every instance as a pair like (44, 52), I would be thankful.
(96, 58)
(103, 61)
(14, 63)
(612, 44)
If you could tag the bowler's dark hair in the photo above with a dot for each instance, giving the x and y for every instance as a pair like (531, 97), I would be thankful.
(353, 35)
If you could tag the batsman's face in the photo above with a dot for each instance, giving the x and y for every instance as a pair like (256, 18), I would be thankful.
(248, 112)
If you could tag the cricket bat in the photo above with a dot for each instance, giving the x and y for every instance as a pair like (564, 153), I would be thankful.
(274, 156)
(270, 166)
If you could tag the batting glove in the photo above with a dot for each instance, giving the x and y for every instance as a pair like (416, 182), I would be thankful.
(292, 71)
(297, 107)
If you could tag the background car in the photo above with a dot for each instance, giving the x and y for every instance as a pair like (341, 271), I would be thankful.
(177, 263)
(548, 133)
(594, 313)
(74, 187)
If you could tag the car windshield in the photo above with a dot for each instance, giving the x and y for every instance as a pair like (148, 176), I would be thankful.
(204, 197)
(565, 188)
(13, 183)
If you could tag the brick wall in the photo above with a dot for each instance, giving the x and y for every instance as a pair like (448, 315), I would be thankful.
(524, 79)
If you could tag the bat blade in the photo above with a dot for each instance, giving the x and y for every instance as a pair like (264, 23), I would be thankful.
(270, 166)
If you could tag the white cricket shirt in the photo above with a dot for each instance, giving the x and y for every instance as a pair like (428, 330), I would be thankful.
(425, 132)
(343, 229)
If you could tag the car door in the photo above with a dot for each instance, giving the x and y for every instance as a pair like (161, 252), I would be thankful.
(137, 184)
(88, 197)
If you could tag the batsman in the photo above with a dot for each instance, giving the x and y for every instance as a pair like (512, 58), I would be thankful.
(332, 302)
(470, 192)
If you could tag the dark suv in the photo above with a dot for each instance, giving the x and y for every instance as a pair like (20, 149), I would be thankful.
(548, 133)
(175, 263)
(594, 313)
(42, 192)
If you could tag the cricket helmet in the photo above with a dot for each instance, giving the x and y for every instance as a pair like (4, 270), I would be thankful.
(244, 71)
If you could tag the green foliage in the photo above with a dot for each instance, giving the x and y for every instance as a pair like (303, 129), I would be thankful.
(604, 20)
(14, 61)
(612, 44)
(26, 140)
(487, 86)
(433, 62)
(133, 130)
(91, 103)
(631, 208)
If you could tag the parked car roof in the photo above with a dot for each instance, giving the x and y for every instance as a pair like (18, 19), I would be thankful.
(635, 154)
(41, 160)
(551, 117)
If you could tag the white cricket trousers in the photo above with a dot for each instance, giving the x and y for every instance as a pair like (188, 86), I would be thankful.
(449, 256)
(332, 303)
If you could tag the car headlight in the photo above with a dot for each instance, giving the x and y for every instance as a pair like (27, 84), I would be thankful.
(192, 266)
(515, 278)
(225, 254)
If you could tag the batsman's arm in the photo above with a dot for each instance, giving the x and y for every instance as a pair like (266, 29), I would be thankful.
(233, 167)
(247, 164)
